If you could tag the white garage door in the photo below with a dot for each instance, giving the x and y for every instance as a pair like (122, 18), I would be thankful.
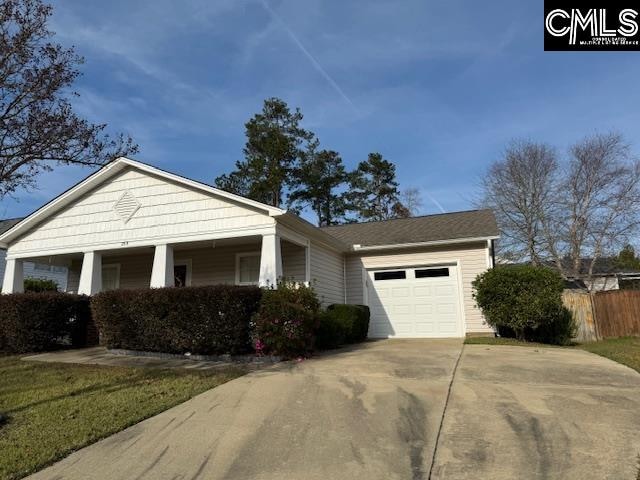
(414, 302)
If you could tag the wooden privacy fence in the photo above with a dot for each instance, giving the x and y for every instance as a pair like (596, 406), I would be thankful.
(615, 313)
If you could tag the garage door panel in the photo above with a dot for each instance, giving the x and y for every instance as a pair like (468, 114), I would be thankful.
(422, 309)
(422, 291)
(445, 290)
(444, 308)
(428, 306)
(402, 309)
(400, 292)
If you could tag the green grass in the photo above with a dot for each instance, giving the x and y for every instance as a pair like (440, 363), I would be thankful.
(503, 341)
(54, 409)
(625, 350)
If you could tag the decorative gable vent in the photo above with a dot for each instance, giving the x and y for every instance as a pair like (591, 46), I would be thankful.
(126, 206)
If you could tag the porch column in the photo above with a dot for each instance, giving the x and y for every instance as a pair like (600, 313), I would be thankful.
(91, 274)
(162, 273)
(13, 281)
(270, 261)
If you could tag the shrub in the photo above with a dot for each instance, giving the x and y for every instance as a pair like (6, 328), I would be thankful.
(355, 319)
(526, 301)
(343, 323)
(34, 322)
(287, 320)
(331, 332)
(39, 285)
(208, 320)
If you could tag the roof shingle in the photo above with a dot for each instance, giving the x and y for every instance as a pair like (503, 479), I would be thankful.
(428, 228)
(8, 223)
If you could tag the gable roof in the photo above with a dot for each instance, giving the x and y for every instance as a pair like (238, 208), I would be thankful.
(108, 171)
(439, 228)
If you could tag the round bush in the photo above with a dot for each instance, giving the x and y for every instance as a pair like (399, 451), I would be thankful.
(286, 321)
(525, 301)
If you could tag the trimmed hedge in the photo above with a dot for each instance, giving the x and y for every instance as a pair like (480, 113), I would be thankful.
(287, 321)
(342, 323)
(210, 320)
(36, 322)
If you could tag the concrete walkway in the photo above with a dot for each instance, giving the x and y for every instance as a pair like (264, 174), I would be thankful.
(375, 412)
(100, 356)
(370, 413)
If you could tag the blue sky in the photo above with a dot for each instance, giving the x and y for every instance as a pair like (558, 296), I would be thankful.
(439, 88)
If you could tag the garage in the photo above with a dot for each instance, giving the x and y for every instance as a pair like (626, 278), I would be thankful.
(414, 302)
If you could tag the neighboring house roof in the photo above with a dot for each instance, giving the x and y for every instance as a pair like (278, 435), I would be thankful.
(603, 266)
(439, 228)
(8, 223)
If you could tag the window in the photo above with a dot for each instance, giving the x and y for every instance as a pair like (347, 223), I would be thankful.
(390, 275)
(432, 272)
(247, 268)
(182, 273)
(110, 277)
(43, 267)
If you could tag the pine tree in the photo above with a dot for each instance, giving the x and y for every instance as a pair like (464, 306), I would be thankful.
(275, 143)
(319, 178)
(374, 193)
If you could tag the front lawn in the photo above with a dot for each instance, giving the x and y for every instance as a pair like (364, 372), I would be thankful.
(625, 350)
(49, 410)
(503, 341)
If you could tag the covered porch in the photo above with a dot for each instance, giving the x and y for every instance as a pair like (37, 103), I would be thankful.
(247, 260)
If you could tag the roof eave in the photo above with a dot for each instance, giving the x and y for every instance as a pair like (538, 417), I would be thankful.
(360, 248)
(297, 222)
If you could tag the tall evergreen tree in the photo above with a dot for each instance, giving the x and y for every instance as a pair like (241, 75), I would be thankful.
(319, 178)
(374, 193)
(627, 258)
(275, 143)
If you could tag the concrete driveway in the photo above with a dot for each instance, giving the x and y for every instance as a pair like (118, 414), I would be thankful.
(540, 413)
(375, 412)
(370, 413)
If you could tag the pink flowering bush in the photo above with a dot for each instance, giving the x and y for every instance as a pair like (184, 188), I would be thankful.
(286, 321)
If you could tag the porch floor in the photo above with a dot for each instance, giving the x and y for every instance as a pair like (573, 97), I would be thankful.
(100, 356)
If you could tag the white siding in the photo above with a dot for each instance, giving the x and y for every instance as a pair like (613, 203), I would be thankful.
(293, 261)
(327, 274)
(167, 211)
(472, 258)
(60, 277)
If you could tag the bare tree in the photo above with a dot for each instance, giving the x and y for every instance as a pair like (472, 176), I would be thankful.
(411, 200)
(598, 203)
(520, 189)
(38, 127)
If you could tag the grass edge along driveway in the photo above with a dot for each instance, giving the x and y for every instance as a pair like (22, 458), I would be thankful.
(47, 411)
(624, 350)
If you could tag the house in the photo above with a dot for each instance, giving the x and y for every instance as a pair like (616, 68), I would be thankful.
(34, 270)
(606, 275)
(131, 225)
